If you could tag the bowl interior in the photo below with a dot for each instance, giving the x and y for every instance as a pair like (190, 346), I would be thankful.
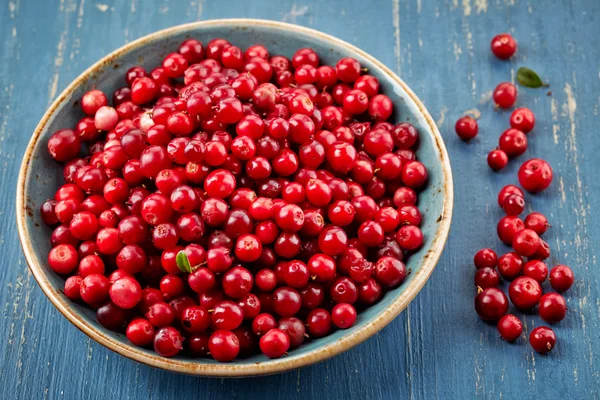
(43, 175)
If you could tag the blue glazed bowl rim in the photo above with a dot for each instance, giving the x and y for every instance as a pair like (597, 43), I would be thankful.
(198, 367)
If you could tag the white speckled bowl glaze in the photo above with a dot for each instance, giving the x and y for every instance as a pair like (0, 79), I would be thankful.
(40, 176)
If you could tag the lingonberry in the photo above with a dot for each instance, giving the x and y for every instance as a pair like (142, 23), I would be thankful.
(525, 292)
(91, 264)
(369, 292)
(508, 227)
(491, 304)
(552, 308)
(510, 327)
(410, 237)
(390, 272)
(513, 142)
(513, 205)
(485, 258)
(168, 342)
(275, 343)
(227, 315)
(526, 242)
(537, 222)
(505, 95)
(160, 314)
(72, 287)
(63, 259)
(507, 191)
(535, 175)
(414, 174)
(466, 128)
(487, 277)
(542, 339)
(140, 332)
(503, 46)
(404, 195)
(522, 119)
(510, 265)
(263, 323)
(561, 278)
(318, 322)
(94, 289)
(126, 292)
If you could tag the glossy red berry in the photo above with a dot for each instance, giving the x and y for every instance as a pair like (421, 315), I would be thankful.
(466, 128)
(522, 119)
(505, 95)
(503, 46)
(497, 159)
(552, 308)
(485, 258)
(542, 339)
(513, 205)
(510, 327)
(510, 265)
(535, 175)
(491, 304)
(561, 278)
(537, 222)
(525, 292)
(526, 242)
(275, 343)
(487, 277)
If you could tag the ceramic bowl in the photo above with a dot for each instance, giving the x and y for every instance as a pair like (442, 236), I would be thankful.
(40, 176)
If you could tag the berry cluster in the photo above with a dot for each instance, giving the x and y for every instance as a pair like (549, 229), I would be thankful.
(535, 175)
(525, 290)
(231, 202)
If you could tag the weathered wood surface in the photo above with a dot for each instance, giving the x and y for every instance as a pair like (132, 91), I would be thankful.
(437, 347)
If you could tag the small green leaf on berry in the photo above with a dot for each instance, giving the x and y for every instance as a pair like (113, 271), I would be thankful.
(183, 263)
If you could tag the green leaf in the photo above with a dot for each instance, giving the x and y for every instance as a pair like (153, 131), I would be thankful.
(529, 78)
(183, 263)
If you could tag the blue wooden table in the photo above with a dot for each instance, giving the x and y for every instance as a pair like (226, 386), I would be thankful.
(438, 347)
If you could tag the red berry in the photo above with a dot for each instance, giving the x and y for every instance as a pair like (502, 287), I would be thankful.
(491, 304)
(140, 332)
(525, 292)
(537, 222)
(510, 327)
(168, 342)
(466, 128)
(508, 227)
(485, 258)
(487, 277)
(505, 95)
(510, 265)
(542, 339)
(343, 315)
(503, 46)
(513, 205)
(526, 242)
(552, 308)
(275, 343)
(497, 159)
(513, 142)
(535, 175)
(522, 119)
(536, 269)
(561, 278)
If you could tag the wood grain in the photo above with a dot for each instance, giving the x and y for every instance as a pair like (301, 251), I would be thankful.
(437, 347)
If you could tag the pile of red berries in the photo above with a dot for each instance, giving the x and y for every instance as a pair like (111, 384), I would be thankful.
(525, 290)
(231, 202)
